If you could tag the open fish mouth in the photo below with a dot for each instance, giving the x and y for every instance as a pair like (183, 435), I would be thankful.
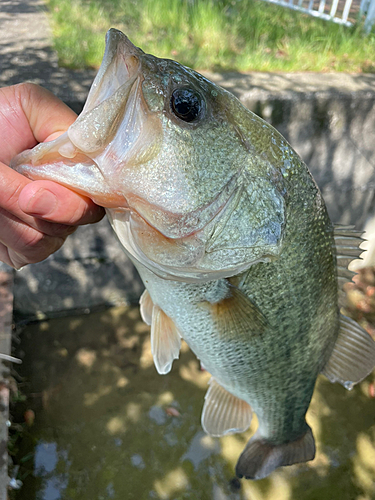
(114, 130)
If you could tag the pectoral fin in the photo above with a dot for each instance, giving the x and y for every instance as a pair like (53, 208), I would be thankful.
(353, 356)
(236, 316)
(165, 340)
(224, 413)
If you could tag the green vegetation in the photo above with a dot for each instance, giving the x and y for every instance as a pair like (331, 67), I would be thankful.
(244, 35)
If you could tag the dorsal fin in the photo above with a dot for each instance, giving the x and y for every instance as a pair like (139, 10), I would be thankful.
(353, 356)
(224, 413)
(165, 340)
(347, 241)
(146, 306)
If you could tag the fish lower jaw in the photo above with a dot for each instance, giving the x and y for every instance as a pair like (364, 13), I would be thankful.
(80, 174)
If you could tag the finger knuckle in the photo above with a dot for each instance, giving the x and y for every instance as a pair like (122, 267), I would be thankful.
(39, 246)
(27, 89)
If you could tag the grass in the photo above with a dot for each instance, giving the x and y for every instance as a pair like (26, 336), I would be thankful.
(243, 35)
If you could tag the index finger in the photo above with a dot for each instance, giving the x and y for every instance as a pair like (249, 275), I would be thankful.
(29, 114)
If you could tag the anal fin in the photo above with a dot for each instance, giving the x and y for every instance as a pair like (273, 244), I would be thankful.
(353, 357)
(224, 413)
(261, 457)
(165, 340)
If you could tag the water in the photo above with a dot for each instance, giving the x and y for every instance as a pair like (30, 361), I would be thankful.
(108, 426)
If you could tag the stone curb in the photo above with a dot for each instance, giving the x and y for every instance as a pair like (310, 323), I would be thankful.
(6, 312)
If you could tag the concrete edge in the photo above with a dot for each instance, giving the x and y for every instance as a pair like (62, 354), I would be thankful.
(6, 316)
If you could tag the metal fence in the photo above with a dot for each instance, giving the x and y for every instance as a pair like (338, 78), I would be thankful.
(346, 12)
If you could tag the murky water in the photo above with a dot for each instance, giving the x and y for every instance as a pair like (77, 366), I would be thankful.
(109, 427)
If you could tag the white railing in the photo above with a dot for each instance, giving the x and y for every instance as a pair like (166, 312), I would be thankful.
(345, 12)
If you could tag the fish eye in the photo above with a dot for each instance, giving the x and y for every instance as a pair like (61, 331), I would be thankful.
(186, 104)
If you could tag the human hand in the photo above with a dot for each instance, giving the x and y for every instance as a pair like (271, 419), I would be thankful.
(35, 216)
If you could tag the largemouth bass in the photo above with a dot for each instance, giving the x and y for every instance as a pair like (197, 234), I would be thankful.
(231, 237)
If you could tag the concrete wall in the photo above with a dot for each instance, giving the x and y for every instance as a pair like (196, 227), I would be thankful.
(89, 271)
(328, 119)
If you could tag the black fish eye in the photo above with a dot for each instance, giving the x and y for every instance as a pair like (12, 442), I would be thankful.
(186, 104)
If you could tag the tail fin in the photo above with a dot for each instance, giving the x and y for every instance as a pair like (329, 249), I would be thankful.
(261, 457)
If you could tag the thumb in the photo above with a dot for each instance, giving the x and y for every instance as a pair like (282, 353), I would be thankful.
(52, 202)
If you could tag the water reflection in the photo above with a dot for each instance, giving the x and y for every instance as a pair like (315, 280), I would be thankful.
(109, 427)
(200, 448)
(46, 460)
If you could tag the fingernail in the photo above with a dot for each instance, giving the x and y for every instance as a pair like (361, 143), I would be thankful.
(42, 203)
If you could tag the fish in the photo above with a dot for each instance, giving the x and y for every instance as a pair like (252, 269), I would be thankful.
(231, 237)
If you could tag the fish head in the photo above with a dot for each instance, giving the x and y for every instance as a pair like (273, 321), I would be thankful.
(178, 163)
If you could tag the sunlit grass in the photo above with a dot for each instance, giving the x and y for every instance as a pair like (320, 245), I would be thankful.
(244, 35)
